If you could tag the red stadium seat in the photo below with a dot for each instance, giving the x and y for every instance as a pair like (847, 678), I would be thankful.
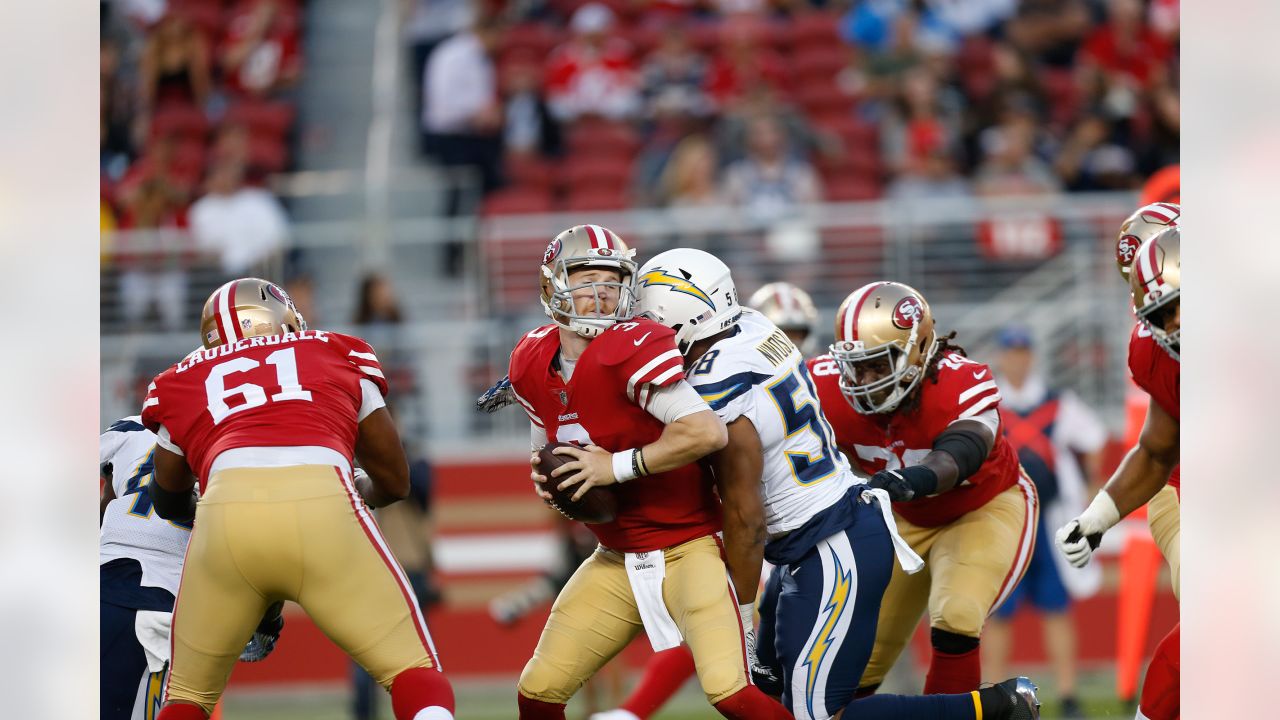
(530, 172)
(819, 62)
(854, 133)
(205, 17)
(268, 153)
(822, 97)
(816, 28)
(516, 201)
(262, 117)
(535, 39)
(590, 199)
(179, 120)
(596, 138)
(852, 188)
(584, 173)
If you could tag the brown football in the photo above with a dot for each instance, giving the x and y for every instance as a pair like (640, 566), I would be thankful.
(598, 505)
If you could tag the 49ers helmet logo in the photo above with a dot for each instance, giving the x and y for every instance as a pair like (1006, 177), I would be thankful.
(907, 312)
(553, 250)
(1126, 248)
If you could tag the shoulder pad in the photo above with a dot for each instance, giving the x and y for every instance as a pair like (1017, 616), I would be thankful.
(625, 340)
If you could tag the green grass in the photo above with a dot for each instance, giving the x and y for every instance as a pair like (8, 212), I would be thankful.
(495, 700)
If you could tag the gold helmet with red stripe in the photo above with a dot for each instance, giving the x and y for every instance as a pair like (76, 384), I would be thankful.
(1146, 222)
(792, 310)
(1156, 282)
(885, 338)
(580, 247)
(248, 307)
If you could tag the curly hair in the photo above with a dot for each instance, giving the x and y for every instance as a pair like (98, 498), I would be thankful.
(945, 345)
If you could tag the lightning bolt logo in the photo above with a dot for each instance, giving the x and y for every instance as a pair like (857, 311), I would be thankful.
(818, 651)
(676, 283)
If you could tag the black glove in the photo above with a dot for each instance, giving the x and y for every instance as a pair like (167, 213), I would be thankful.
(496, 397)
(265, 637)
(906, 483)
(766, 678)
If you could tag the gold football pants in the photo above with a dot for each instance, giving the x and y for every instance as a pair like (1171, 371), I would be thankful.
(291, 533)
(971, 566)
(595, 617)
(1164, 516)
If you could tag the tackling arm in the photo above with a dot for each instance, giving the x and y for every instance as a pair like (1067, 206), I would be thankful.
(738, 469)
(957, 453)
(172, 487)
(382, 456)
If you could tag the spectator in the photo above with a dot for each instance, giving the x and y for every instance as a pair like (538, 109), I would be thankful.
(1050, 31)
(260, 56)
(673, 77)
(115, 146)
(378, 314)
(592, 74)
(158, 163)
(462, 112)
(174, 68)
(153, 258)
(245, 227)
(930, 175)
(430, 23)
(742, 66)
(689, 180)
(1011, 166)
(530, 129)
(918, 123)
(1049, 429)
(1124, 51)
(768, 184)
(1093, 158)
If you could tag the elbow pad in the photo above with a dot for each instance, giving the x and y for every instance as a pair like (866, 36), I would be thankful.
(174, 506)
(967, 448)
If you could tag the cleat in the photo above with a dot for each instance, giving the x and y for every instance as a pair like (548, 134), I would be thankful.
(613, 715)
(1022, 692)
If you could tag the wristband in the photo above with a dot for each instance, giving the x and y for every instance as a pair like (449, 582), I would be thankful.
(1100, 516)
(624, 465)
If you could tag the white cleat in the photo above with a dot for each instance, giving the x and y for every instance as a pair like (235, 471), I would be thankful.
(614, 715)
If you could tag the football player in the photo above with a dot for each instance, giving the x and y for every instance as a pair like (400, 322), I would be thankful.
(830, 537)
(1148, 472)
(615, 385)
(140, 561)
(792, 310)
(923, 421)
(269, 415)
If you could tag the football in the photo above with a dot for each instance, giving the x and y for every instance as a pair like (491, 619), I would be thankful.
(598, 505)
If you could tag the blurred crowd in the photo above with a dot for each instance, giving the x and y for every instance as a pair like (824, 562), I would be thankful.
(769, 104)
(195, 113)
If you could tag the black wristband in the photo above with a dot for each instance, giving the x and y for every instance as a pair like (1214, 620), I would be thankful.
(922, 479)
(967, 448)
(637, 463)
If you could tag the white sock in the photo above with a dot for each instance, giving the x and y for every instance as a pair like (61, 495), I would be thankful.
(435, 712)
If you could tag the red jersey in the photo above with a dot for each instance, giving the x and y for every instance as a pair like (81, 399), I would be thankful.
(1157, 373)
(602, 405)
(291, 390)
(878, 442)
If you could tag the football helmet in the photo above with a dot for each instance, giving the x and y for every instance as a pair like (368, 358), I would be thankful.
(887, 326)
(791, 309)
(689, 291)
(1156, 282)
(1145, 222)
(583, 246)
(248, 307)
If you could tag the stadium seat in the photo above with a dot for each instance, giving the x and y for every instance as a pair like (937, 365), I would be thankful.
(589, 199)
(530, 172)
(268, 153)
(823, 62)
(852, 188)
(854, 133)
(607, 173)
(205, 17)
(180, 120)
(816, 28)
(515, 201)
(822, 97)
(536, 39)
(598, 138)
(262, 117)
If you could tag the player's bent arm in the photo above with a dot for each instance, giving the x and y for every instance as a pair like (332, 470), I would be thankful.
(685, 440)
(172, 488)
(958, 452)
(382, 456)
(108, 494)
(1145, 469)
(738, 469)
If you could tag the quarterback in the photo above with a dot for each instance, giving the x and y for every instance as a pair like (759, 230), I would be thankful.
(923, 421)
(269, 415)
(614, 385)
(1148, 472)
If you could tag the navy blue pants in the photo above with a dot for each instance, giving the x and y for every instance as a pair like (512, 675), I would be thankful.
(122, 662)
(818, 625)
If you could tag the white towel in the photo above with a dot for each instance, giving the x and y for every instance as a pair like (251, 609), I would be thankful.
(907, 557)
(646, 572)
(152, 628)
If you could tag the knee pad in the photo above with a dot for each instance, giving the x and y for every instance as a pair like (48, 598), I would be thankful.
(721, 680)
(961, 616)
(543, 682)
(951, 643)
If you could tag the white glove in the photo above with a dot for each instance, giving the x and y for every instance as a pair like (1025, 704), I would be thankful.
(1079, 538)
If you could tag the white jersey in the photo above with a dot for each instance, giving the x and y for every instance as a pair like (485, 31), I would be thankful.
(130, 527)
(759, 374)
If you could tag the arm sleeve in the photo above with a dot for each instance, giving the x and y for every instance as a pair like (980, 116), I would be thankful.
(675, 401)
(164, 441)
(370, 399)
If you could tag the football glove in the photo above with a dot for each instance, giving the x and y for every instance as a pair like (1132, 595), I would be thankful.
(496, 397)
(1079, 538)
(906, 483)
(265, 636)
(761, 674)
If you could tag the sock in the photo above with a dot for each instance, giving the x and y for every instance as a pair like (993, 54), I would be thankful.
(750, 703)
(953, 672)
(663, 675)
(531, 709)
(915, 707)
(181, 711)
(1161, 699)
(995, 702)
(418, 689)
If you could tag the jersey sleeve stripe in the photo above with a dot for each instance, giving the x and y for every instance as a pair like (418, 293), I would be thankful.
(640, 375)
(371, 371)
(670, 372)
(987, 402)
(643, 399)
(528, 409)
(363, 355)
(976, 390)
(151, 402)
